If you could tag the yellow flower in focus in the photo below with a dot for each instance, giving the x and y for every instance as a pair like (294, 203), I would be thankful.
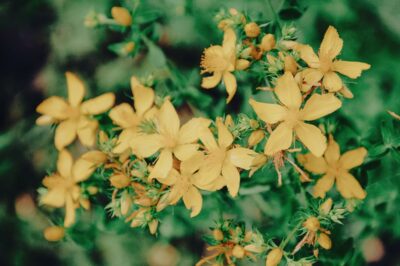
(74, 116)
(184, 184)
(63, 186)
(170, 139)
(121, 15)
(336, 167)
(221, 61)
(222, 160)
(129, 120)
(324, 65)
(292, 117)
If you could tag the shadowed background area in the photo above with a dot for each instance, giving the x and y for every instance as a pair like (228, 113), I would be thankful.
(41, 39)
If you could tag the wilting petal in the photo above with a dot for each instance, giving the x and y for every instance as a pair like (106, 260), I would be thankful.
(269, 113)
(349, 187)
(332, 152)
(54, 107)
(280, 139)
(99, 104)
(65, 133)
(241, 157)
(207, 138)
(225, 137)
(76, 89)
(211, 81)
(69, 211)
(169, 120)
(316, 165)
(332, 82)
(193, 200)
(331, 45)
(323, 185)
(185, 151)
(308, 55)
(230, 85)
(319, 106)
(163, 165)
(123, 116)
(146, 145)
(87, 131)
(189, 132)
(54, 197)
(352, 158)
(312, 137)
(143, 97)
(288, 91)
(232, 178)
(64, 163)
(351, 69)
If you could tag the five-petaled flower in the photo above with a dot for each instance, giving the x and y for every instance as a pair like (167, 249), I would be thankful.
(74, 116)
(336, 167)
(292, 116)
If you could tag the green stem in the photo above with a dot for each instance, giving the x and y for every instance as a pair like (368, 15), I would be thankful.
(290, 235)
(274, 14)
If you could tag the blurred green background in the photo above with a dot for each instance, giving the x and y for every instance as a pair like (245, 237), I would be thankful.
(41, 39)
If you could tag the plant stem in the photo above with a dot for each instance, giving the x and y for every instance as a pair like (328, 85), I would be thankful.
(275, 15)
(290, 235)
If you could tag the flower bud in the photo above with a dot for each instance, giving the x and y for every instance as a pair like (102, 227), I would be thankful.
(290, 64)
(121, 16)
(238, 251)
(120, 181)
(312, 224)
(252, 30)
(274, 257)
(326, 207)
(242, 64)
(255, 137)
(53, 233)
(153, 225)
(218, 234)
(267, 42)
(324, 241)
(225, 24)
(128, 47)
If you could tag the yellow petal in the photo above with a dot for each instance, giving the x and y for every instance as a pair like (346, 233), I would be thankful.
(323, 185)
(332, 152)
(308, 55)
(232, 178)
(85, 165)
(312, 137)
(65, 133)
(54, 197)
(332, 82)
(70, 214)
(215, 185)
(64, 163)
(45, 120)
(229, 42)
(319, 106)
(191, 165)
(173, 177)
(351, 69)
(163, 165)
(76, 89)
(211, 81)
(193, 200)
(230, 85)
(280, 139)
(185, 151)
(123, 116)
(287, 91)
(120, 181)
(241, 157)
(346, 92)
(143, 97)
(311, 77)
(316, 165)
(99, 104)
(87, 131)
(168, 120)
(53, 181)
(352, 158)
(146, 145)
(210, 169)
(225, 137)
(349, 187)
(189, 132)
(54, 107)
(124, 140)
(207, 138)
(269, 113)
(331, 45)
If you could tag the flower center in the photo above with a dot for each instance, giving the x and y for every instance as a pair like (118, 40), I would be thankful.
(213, 60)
(292, 116)
(325, 64)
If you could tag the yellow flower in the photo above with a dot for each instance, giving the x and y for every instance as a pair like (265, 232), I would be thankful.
(292, 117)
(121, 15)
(336, 167)
(170, 139)
(74, 116)
(184, 184)
(222, 159)
(324, 65)
(221, 61)
(63, 186)
(129, 120)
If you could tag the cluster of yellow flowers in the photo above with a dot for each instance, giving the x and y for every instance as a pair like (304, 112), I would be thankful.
(152, 159)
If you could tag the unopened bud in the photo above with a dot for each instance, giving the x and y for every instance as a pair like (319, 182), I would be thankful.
(120, 181)
(267, 43)
(238, 251)
(218, 235)
(290, 64)
(312, 224)
(53, 233)
(121, 16)
(326, 207)
(252, 30)
(274, 257)
(256, 137)
(324, 241)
